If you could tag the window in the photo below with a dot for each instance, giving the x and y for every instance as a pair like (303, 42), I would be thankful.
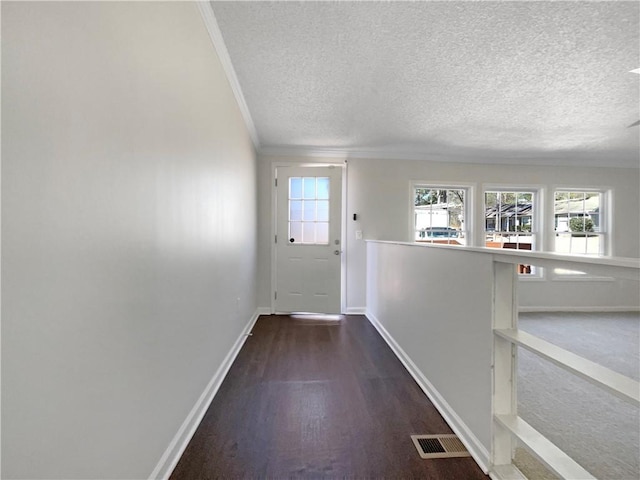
(579, 226)
(510, 221)
(579, 222)
(309, 210)
(439, 215)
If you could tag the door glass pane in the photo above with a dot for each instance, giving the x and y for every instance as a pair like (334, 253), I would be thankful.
(309, 211)
(323, 188)
(322, 232)
(295, 231)
(295, 210)
(295, 187)
(309, 189)
(309, 232)
(323, 210)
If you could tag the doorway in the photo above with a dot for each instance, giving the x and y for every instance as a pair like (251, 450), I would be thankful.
(308, 239)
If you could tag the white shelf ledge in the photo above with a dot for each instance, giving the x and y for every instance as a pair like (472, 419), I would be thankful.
(615, 383)
(545, 451)
(617, 267)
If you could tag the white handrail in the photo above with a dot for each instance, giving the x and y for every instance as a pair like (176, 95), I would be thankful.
(618, 267)
(615, 383)
(544, 450)
(492, 304)
(506, 339)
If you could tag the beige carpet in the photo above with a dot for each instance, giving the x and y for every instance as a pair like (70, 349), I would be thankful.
(598, 430)
(531, 467)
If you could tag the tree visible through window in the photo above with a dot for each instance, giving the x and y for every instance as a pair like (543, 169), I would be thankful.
(439, 215)
(579, 222)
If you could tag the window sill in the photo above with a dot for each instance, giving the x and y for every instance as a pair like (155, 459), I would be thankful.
(539, 277)
(580, 278)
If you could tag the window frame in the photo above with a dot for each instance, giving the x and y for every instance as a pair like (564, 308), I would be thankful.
(304, 199)
(537, 219)
(605, 233)
(543, 218)
(468, 210)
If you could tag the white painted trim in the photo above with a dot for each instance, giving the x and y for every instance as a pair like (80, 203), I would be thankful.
(263, 311)
(613, 382)
(618, 267)
(469, 207)
(210, 22)
(355, 311)
(539, 193)
(470, 441)
(274, 168)
(1, 369)
(541, 448)
(457, 158)
(504, 355)
(579, 309)
(343, 224)
(506, 472)
(606, 192)
(179, 443)
(343, 237)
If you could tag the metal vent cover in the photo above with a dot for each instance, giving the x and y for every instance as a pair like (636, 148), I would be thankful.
(439, 446)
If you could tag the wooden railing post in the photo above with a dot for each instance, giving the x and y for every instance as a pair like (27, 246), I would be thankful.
(505, 315)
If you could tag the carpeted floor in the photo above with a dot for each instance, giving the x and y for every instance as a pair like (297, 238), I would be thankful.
(600, 431)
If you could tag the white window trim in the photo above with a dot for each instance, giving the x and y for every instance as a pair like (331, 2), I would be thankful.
(606, 235)
(539, 192)
(606, 207)
(469, 207)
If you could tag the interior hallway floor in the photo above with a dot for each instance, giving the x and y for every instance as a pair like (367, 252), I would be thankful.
(316, 398)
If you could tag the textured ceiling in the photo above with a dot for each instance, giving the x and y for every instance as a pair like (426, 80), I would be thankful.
(503, 81)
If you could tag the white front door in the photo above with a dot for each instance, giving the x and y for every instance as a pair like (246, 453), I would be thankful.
(308, 239)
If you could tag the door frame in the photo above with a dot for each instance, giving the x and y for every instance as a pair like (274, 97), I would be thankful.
(343, 225)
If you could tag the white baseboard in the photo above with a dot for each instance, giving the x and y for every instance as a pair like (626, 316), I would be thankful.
(355, 311)
(581, 309)
(263, 311)
(179, 443)
(470, 441)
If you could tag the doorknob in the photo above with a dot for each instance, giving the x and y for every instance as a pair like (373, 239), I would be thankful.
(336, 252)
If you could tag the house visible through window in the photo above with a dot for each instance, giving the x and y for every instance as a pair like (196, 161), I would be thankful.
(579, 225)
(579, 222)
(439, 215)
(510, 221)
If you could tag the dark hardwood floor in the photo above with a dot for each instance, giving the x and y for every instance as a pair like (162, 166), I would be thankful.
(312, 398)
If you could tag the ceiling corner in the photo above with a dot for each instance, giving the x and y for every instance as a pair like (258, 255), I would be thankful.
(209, 18)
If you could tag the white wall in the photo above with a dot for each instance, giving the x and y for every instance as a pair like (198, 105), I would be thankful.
(128, 232)
(443, 334)
(378, 190)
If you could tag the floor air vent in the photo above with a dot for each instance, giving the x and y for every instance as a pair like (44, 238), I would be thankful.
(439, 446)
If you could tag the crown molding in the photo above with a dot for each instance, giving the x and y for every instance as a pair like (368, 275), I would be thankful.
(210, 22)
(575, 159)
